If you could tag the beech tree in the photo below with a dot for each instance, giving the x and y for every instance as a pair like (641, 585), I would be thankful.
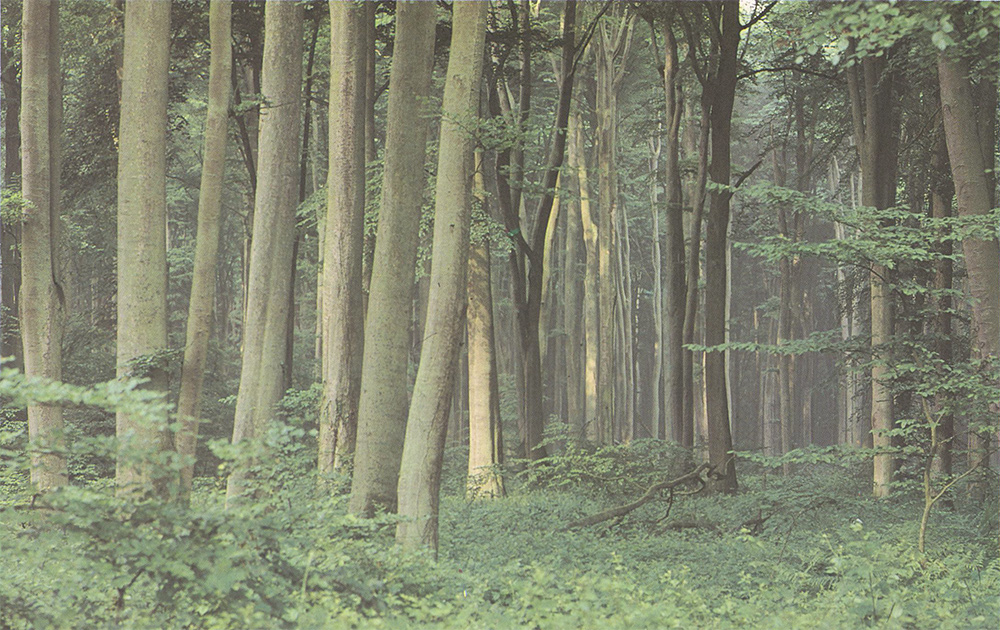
(485, 436)
(342, 316)
(41, 295)
(142, 246)
(213, 173)
(427, 422)
(263, 367)
(383, 404)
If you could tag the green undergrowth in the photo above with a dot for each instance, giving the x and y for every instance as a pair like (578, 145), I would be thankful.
(807, 551)
(810, 551)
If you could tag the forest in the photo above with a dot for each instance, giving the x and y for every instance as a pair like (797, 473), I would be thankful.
(499, 314)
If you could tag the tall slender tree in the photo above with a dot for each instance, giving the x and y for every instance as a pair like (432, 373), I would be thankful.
(485, 437)
(725, 16)
(213, 175)
(41, 296)
(383, 404)
(876, 129)
(263, 366)
(142, 209)
(342, 316)
(426, 427)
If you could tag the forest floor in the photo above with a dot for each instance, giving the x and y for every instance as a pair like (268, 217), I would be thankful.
(808, 551)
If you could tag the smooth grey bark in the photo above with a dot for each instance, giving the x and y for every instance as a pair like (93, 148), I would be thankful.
(265, 324)
(485, 436)
(426, 427)
(41, 300)
(383, 404)
(342, 315)
(142, 246)
(213, 174)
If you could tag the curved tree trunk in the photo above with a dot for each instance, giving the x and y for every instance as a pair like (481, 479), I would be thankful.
(383, 404)
(264, 335)
(213, 171)
(427, 424)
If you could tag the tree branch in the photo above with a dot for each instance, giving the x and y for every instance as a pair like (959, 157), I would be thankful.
(650, 494)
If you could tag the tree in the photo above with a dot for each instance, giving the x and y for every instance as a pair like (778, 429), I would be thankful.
(41, 296)
(723, 90)
(485, 437)
(427, 423)
(876, 130)
(675, 296)
(383, 404)
(142, 248)
(971, 140)
(263, 365)
(342, 316)
(610, 52)
(213, 172)
(527, 259)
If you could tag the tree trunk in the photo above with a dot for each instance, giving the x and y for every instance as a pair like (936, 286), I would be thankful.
(974, 194)
(383, 404)
(876, 131)
(142, 247)
(342, 324)
(942, 192)
(41, 296)
(720, 441)
(213, 171)
(591, 297)
(264, 368)
(675, 294)
(693, 269)
(426, 427)
(573, 315)
(658, 421)
(485, 439)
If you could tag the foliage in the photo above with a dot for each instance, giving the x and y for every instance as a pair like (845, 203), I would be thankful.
(804, 551)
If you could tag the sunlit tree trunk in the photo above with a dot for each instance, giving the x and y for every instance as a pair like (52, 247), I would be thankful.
(658, 422)
(213, 171)
(41, 297)
(611, 45)
(142, 208)
(692, 274)
(264, 368)
(342, 324)
(427, 423)
(575, 346)
(591, 296)
(485, 437)
(383, 404)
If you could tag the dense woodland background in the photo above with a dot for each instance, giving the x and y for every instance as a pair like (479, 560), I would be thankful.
(285, 281)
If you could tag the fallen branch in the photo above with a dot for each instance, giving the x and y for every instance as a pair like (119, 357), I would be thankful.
(650, 494)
